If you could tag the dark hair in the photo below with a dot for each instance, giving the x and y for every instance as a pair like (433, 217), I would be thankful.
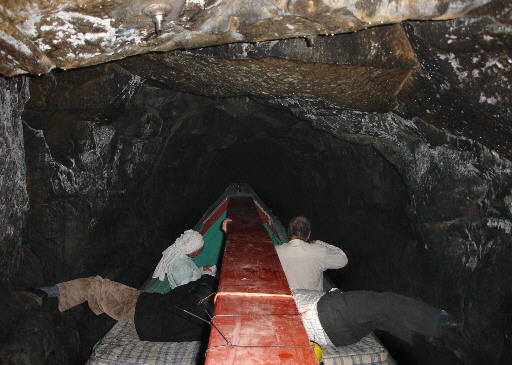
(299, 227)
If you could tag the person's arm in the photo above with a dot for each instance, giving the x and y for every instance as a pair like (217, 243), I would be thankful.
(225, 224)
(332, 257)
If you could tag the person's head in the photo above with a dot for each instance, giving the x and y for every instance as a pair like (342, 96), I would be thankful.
(299, 227)
(190, 243)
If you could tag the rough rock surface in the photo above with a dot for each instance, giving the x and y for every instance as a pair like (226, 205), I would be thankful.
(459, 207)
(37, 36)
(84, 163)
(13, 190)
(467, 64)
(369, 80)
(83, 170)
(116, 174)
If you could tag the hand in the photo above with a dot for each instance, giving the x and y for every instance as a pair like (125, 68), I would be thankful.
(210, 270)
(225, 223)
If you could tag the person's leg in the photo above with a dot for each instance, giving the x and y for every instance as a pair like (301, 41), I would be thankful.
(102, 295)
(348, 317)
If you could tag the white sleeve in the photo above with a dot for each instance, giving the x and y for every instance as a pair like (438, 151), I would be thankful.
(332, 257)
(182, 271)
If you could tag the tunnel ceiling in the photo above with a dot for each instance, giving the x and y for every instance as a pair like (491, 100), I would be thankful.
(296, 53)
(38, 36)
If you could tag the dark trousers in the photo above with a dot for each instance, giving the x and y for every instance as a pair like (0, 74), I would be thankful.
(348, 317)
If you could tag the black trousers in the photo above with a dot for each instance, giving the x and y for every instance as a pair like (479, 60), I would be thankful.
(347, 317)
(161, 317)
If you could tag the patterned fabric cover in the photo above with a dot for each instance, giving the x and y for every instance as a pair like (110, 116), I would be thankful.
(121, 347)
(368, 351)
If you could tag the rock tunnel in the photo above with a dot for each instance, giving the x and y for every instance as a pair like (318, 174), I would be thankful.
(394, 139)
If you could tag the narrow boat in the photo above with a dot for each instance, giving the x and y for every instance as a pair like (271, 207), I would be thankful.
(255, 319)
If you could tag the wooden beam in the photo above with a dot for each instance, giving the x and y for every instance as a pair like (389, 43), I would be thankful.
(255, 320)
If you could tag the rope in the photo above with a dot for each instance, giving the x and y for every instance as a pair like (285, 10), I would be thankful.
(228, 343)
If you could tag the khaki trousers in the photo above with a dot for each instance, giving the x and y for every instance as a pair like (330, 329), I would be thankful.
(102, 295)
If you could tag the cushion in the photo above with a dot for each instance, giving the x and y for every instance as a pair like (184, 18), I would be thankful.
(368, 351)
(121, 346)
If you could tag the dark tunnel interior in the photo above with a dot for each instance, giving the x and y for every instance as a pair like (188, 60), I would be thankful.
(147, 170)
(106, 165)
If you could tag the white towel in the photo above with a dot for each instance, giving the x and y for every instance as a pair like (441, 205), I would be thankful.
(188, 242)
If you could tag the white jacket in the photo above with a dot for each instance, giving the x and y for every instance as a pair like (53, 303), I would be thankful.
(304, 263)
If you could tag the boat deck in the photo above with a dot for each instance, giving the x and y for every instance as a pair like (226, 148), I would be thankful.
(255, 320)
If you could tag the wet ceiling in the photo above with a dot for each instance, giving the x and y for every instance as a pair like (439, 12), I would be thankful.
(37, 36)
(364, 55)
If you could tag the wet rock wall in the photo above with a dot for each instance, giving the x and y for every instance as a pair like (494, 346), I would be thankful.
(89, 155)
(13, 190)
(458, 209)
(88, 147)
(116, 175)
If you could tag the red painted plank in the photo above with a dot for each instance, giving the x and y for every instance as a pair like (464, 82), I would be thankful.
(254, 308)
(214, 216)
(271, 331)
(260, 356)
(236, 304)
(253, 272)
(266, 219)
(239, 232)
